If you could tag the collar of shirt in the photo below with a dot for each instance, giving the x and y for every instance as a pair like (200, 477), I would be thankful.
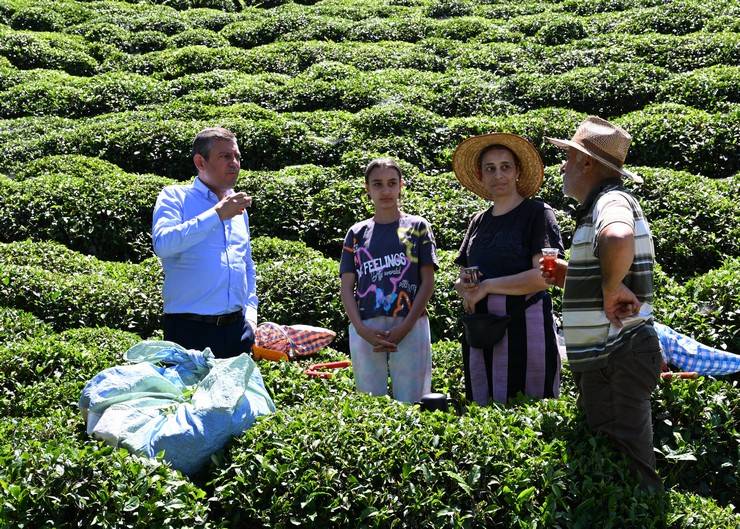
(607, 185)
(204, 190)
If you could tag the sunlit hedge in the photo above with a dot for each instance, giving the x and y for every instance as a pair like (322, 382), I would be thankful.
(48, 373)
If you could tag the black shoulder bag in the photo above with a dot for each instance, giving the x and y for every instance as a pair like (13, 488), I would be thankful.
(483, 331)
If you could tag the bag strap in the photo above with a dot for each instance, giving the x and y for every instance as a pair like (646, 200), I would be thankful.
(534, 299)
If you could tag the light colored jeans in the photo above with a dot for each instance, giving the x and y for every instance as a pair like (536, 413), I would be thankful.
(410, 366)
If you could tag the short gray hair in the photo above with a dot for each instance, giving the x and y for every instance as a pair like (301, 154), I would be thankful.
(203, 141)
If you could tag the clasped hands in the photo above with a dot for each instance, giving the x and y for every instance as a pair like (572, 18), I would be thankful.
(384, 341)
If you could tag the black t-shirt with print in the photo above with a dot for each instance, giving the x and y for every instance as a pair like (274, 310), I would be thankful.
(386, 260)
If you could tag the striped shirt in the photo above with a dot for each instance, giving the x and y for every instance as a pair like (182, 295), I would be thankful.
(589, 336)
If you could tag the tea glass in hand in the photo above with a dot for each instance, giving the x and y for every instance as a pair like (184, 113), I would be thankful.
(549, 256)
(470, 275)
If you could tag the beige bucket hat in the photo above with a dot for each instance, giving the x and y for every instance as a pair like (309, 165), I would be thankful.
(603, 141)
(466, 160)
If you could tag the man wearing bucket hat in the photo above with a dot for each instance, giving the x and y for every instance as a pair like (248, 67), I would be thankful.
(510, 345)
(613, 349)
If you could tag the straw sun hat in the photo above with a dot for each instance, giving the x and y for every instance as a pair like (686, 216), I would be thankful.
(603, 141)
(466, 163)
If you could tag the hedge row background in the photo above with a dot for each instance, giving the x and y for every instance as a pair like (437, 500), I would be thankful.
(99, 102)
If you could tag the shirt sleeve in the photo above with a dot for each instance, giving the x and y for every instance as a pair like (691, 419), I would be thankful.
(170, 235)
(546, 232)
(347, 261)
(252, 301)
(427, 246)
(610, 208)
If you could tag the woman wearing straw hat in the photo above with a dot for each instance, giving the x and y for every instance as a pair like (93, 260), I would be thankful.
(505, 243)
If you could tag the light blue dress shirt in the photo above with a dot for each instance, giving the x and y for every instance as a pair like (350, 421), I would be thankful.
(207, 262)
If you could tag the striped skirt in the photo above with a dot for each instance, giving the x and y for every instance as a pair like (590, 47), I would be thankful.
(526, 360)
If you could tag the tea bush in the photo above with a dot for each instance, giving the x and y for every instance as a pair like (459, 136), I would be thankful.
(111, 92)
(695, 220)
(198, 37)
(143, 17)
(693, 511)
(685, 53)
(671, 135)
(560, 30)
(274, 249)
(104, 33)
(696, 436)
(98, 211)
(25, 49)
(387, 460)
(49, 474)
(711, 89)
(400, 29)
(674, 53)
(285, 203)
(603, 90)
(83, 167)
(716, 298)
(38, 14)
(70, 290)
(215, 18)
(501, 58)
(18, 325)
(677, 18)
(47, 373)
(37, 19)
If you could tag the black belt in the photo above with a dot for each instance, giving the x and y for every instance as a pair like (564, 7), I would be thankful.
(218, 320)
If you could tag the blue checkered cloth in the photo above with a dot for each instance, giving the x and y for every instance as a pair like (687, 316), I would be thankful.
(690, 355)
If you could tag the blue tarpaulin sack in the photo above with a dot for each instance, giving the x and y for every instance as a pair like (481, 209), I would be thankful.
(185, 403)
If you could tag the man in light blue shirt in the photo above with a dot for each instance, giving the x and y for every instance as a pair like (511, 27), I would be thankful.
(200, 232)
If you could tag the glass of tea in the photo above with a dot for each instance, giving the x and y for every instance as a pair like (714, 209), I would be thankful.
(549, 255)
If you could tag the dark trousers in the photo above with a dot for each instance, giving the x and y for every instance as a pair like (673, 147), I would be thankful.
(224, 340)
(616, 400)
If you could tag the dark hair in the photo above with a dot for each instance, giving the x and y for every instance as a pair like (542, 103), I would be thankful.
(204, 140)
(496, 147)
(389, 163)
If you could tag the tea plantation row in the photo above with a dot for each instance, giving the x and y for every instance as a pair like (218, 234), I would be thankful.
(338, 458)
(606, 90)
(95, 207)
(158, 140)
(74, 55)
(431, 17)
(297, 285)
(137, 28)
